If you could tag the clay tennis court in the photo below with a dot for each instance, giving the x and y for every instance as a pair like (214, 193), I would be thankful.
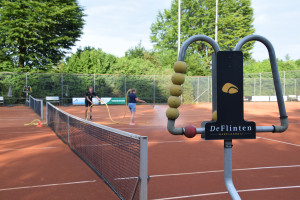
(35, 164)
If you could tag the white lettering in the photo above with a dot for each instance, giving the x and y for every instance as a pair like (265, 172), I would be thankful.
(223, 127)
(212, 128)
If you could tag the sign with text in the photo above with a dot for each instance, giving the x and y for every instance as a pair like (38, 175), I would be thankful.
(230, 122)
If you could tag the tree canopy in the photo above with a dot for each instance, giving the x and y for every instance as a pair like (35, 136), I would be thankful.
(198, 17)
(37, 33)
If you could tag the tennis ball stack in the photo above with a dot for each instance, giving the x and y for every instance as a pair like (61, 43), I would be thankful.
(174, 100)
(176, 90)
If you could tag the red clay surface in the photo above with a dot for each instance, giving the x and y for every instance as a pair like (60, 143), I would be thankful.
(180, 168)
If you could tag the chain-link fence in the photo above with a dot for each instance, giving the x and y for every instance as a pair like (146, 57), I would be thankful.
(153, 89)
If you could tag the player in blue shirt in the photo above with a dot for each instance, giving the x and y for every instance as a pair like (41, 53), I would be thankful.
(89, 102)
(132, 104)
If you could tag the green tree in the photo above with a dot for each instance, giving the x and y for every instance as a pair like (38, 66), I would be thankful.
(36, 34)
(136, 52)
(88, 61)
(198, 17)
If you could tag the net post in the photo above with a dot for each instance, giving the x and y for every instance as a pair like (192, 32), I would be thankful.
(144, 168)
(42, 110)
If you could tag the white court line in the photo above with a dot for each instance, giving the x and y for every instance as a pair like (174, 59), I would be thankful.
(297, 145)
(158, 142)
(216, 193)
(33, 132)
(214, 171)
(47, 185)
(38, 148)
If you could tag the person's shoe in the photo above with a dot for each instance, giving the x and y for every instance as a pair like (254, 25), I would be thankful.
(132, 124)
(91, 118)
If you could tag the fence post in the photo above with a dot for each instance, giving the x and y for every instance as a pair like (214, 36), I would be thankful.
(94, 83)
(47, 118)
(26, 80)
(198, 88)
(259, 84)
(26, 86)
(254, 85)
(296, 87)
(208, 87)
(284, 83)
(42, 110)
(154, 90)
(125, 91)
(68, 130)
(62, 88)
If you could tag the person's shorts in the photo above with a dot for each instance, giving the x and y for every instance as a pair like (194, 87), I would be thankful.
(132, 107)
(87, 104)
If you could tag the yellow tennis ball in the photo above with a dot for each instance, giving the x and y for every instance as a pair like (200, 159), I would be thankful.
(180, 67)
(176, 90)
(174, 102)
(178, 79)
(214, 116)
(172, 113)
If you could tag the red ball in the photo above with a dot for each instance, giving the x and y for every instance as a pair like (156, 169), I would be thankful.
(190, 131)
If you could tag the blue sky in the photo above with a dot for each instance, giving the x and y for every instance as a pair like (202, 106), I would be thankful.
(117, 25)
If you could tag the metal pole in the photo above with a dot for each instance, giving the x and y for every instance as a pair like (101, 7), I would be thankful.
(216, 27)
(26, 86)
(68, 130)
(179, 24)
(284, 83)
(228, 170)
(94, 83)
(42, 110)
(254, 86)
(198, 89)
(214, 82)
(154, 90)
(295, 87)
(144, 168)
(47, 118)
(259, 84)
(208, 92)
(125, 91)
(62, 88)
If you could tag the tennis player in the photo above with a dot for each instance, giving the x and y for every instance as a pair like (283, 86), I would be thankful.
(132, 104)
(89, 102)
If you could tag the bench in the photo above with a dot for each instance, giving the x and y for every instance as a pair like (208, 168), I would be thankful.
(53, 99)
(2, 100)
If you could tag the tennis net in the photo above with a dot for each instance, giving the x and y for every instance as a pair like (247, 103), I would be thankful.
(37, 106)
(119, 158)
